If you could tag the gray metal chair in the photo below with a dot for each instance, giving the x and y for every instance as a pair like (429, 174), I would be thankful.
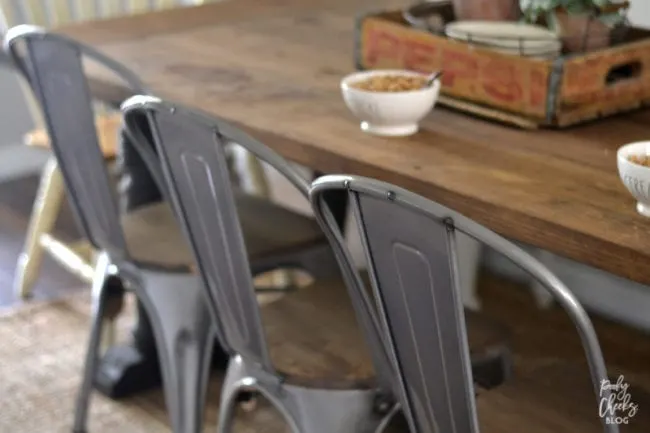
(172, 296)
(40, 240)
(410, 246)
(146, 246)
(191, 147)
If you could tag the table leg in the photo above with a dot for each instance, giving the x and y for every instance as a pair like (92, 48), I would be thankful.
(469, 252)
(542, 296)
(131, 368)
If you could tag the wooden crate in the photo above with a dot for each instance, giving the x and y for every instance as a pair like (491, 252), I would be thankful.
(523, 91)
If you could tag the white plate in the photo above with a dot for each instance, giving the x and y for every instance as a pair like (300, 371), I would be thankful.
(505, 34)
(529, 45)
(502, 29)
(544, 56)
(523, 50)
(515, 46)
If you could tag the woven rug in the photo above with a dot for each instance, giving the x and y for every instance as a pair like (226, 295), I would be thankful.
(42, 346)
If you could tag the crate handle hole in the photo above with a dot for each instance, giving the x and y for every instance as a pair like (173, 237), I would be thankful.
(623, 72)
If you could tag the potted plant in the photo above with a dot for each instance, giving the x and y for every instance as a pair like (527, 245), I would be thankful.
(488, 10)
(583, 25)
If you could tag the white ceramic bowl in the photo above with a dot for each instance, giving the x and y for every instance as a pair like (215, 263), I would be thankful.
(389, 113)
(636, 177)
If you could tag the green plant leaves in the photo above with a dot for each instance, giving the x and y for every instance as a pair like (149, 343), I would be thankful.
(602, 3)
(534, 9)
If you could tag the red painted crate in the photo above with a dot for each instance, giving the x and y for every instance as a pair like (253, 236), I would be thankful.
(521, 90)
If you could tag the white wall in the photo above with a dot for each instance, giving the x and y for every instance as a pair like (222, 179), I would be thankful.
(640, 13)
(15, 118)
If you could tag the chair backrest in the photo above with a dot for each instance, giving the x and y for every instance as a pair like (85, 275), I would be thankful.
(410, 246)
(52, 66)
(190, 145)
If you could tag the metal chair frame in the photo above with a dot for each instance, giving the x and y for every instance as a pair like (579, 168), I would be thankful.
(410, 246)
(78, 257)
(175, 303)
(191, 145)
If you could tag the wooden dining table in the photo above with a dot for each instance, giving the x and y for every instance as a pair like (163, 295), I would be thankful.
(274, 67)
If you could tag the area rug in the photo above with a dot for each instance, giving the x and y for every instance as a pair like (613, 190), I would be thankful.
(42, 346)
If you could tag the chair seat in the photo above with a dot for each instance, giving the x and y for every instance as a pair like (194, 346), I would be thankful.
(314, 338)
(155, 239)
(108, 128)
(554, 398)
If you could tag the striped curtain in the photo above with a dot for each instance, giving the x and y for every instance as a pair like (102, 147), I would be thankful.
(51, 13)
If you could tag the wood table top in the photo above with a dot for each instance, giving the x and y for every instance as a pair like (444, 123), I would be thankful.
(274, 67)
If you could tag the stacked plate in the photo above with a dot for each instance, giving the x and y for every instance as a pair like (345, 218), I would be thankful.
(508, 37)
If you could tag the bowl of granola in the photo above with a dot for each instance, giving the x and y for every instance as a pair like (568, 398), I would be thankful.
(633, 162)
(390, 102)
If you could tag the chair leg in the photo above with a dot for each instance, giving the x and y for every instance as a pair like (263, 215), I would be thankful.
(184, 336)
(227, 407)
(67, 257)
(108, 338)
(469, 261)
(101, 287)
(257, 175)
(114, 306)
(543, 298)
(45, 210)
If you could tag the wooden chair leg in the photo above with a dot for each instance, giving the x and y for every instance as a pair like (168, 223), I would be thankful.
(70, 256)
(257, 176)
(44, 213)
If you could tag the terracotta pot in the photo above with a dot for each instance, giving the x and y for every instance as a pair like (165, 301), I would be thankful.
(488, 10)
(582, 32)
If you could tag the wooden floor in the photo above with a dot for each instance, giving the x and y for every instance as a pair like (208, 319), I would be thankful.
(550, 334)
(539, 335)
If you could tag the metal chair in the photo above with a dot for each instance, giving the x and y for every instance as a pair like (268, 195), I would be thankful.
(171, 295)
(191, 148)
(410, 247)
(75, 257)
(146, 246)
